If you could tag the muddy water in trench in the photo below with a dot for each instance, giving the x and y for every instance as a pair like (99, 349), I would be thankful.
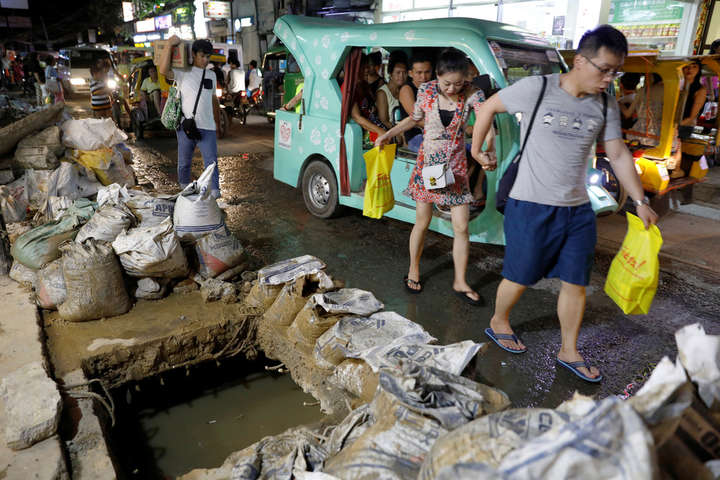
(197, 421)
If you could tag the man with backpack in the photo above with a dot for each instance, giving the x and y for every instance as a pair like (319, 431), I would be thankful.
(549, 224)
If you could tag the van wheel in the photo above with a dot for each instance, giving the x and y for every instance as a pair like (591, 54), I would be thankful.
(320, 190)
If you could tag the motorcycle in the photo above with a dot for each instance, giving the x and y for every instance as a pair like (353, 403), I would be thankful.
(244, 104)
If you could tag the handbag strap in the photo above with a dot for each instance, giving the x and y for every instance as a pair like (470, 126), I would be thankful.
(197, 99)
(532, 119)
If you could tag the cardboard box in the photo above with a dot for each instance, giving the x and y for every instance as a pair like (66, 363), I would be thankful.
(180, 56)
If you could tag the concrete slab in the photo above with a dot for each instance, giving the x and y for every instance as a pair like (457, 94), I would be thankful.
(21, 344)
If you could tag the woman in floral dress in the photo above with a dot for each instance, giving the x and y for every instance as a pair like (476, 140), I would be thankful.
(444, 104)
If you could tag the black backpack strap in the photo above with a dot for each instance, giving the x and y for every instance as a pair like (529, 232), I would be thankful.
(532, 118)
(197, 99)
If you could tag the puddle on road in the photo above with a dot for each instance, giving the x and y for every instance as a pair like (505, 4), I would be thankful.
(197, 421)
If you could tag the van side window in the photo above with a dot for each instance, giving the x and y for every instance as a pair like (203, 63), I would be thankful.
(292, 66)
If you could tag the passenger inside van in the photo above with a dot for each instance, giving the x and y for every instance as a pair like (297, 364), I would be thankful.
(421, 71)
(374, 79)
(364, 111)
(388, 96)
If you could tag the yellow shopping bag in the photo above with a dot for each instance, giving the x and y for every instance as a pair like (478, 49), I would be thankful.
(633, 276)
(379, 197)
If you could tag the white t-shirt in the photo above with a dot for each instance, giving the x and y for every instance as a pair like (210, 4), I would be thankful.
(236, 81)
(254, 80)
(188, 83)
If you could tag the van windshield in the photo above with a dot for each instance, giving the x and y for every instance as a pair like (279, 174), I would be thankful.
(520, 62)
(85, 58)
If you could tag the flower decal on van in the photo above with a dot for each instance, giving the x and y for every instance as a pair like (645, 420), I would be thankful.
(325, 74)
(410, 35)
(323, 128)
(329, 145)
(315, 136)
(315, 43)
(325, 41)
(318, 60)
(344, 37)
(293, 44)
(373, 36)
(324, 104)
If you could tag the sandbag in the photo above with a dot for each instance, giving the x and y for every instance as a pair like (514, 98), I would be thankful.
(262, 296)
(15, 230)
(107, 164)
(72, 180)
(106, 224)
(94, 282)
(309, 324)
(91, 133)
(196, 211)
(287, 304)
(113, 194)
(39, 246)
(217, 252)
(355, 337)
(357, 378)
(148, 209)
(348, 300)
(151, 252)
(22, 274)
(57, 206)
(449, 358)
(40, 151)
(50, 290)
(289, 270)
(37, 187)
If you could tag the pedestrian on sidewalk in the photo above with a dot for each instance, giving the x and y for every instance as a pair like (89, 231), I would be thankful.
(549, 224)
(444, 105)
(197, 87)
(36, 76)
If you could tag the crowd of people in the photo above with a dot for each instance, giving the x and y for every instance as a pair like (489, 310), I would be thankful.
(34, 74)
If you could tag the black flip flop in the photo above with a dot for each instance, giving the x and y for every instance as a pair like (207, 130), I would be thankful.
(412, 290)
(476, 303)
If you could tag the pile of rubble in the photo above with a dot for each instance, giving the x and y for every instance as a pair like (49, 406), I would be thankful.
(80, 234)
(13, 109)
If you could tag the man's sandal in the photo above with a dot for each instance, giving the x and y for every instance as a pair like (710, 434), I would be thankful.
(574, 366)
(496, 337)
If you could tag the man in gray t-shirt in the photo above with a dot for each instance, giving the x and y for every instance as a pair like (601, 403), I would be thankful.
(549, 224)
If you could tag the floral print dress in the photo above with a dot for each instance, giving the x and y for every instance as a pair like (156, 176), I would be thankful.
(440, 145)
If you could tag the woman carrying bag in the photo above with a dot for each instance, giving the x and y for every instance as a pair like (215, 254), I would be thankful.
(440, 174)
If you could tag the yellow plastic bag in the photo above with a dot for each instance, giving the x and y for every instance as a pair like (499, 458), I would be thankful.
(379, 198)
(99, 161)
(633, 276)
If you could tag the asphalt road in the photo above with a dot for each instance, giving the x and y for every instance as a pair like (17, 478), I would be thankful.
(270, 219)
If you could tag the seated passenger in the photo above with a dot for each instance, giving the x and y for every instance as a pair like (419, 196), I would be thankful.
(420, 72)
(150, 89)
(374, 79)
(388, 96)
(363, 110)
(236, 79)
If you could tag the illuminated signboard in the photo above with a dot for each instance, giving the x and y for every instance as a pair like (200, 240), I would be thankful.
(183, 16)
(246, 21)
(140, 38)
(216, 9)
(163, 22)
(127, 8)
(145, 25)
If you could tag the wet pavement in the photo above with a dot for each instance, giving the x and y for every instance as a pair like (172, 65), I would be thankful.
(270, 219)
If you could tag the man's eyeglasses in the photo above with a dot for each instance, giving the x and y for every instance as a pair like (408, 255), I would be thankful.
(605, 71)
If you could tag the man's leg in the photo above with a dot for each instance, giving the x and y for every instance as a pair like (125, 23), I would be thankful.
(186, 147)
(156, 101)
(508, 294)
(459, 215)
(570, 309)
(423, 215)
(208, 149)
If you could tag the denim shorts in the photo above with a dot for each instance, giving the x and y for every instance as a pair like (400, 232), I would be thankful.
(543, 241)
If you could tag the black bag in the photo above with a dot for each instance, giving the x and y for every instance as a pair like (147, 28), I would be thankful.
(508, 179)
(188, 124)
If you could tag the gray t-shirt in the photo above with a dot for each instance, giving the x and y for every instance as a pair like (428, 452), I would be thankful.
(554, 164)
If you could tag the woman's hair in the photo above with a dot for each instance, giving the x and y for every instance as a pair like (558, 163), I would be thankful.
(452, 60)
(398, 57)
(692, 89)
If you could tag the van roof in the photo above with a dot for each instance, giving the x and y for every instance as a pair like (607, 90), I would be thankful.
(413, 31)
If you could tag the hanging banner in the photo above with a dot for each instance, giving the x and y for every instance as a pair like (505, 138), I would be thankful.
(216, 10)
(645, 11)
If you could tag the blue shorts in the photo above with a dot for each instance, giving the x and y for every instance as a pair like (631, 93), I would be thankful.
(550, 242)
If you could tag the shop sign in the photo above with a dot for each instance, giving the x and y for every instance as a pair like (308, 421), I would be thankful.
(163, 22)
(247, 21)
(128, 14)
(21, 4)
(645, 11)
(183, 16)
(142, 38)
(183, 31)
(218, 27)
(143, 26)
(558, 25)
(216, 9)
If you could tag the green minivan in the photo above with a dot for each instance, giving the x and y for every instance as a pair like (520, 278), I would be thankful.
(307, 144)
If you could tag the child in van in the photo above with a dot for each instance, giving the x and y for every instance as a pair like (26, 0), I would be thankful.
(364, 112)
(100, 101)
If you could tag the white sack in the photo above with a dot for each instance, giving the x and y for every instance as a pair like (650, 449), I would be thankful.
(113, 194)
(348, 300)
(217, 252)
(150, 210)
(196, 211)
(91, 133)
(151, 252)
(289, 270)
(72, 180)
(13, 202)
(700, 355)
(106, 224)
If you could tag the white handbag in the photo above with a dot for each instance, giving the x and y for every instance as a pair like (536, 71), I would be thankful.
(437, 176)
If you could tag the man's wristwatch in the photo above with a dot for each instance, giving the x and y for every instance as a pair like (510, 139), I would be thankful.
(645, 201)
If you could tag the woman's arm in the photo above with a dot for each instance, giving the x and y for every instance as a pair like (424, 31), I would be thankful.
(364, 122)
(401, 127)
(698, 103)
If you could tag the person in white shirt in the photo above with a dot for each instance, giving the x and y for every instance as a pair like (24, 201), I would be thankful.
(236, 79)
(253, 78)
(189, 83)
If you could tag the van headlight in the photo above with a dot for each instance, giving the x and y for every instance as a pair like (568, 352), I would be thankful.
(77, 81)
(112, 84)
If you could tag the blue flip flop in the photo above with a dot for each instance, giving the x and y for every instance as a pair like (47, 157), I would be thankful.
(573, 367)
(496, 337)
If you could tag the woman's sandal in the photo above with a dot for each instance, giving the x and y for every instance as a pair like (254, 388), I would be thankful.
(468, 299)
(410, 283)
